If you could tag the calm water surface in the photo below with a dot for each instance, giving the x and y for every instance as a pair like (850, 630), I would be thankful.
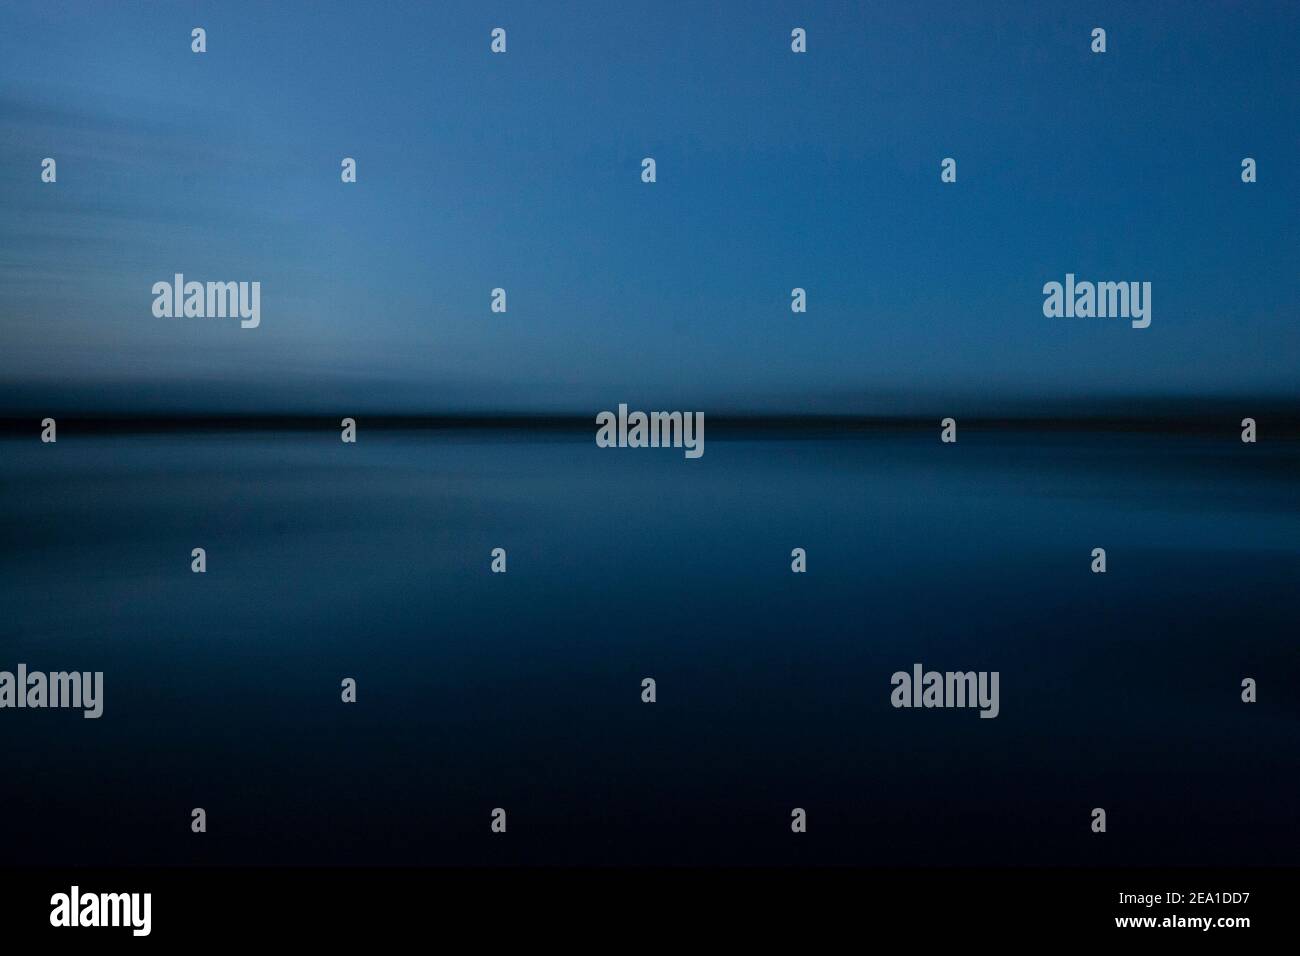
(522, 690)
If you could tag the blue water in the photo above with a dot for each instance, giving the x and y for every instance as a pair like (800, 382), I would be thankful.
(522, 691)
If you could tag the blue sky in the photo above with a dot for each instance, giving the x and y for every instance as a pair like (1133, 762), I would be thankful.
(775, 170)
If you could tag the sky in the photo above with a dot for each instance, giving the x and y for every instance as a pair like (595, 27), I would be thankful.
(522, 171)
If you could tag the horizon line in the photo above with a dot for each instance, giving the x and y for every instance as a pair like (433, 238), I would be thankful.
(1280, 422)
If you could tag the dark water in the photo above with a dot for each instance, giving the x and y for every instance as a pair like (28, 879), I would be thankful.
(522, 690)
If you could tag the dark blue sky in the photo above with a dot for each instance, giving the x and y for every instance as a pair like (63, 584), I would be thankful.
(775, 170)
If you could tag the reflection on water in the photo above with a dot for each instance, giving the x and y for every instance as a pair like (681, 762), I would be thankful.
(522, 690)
